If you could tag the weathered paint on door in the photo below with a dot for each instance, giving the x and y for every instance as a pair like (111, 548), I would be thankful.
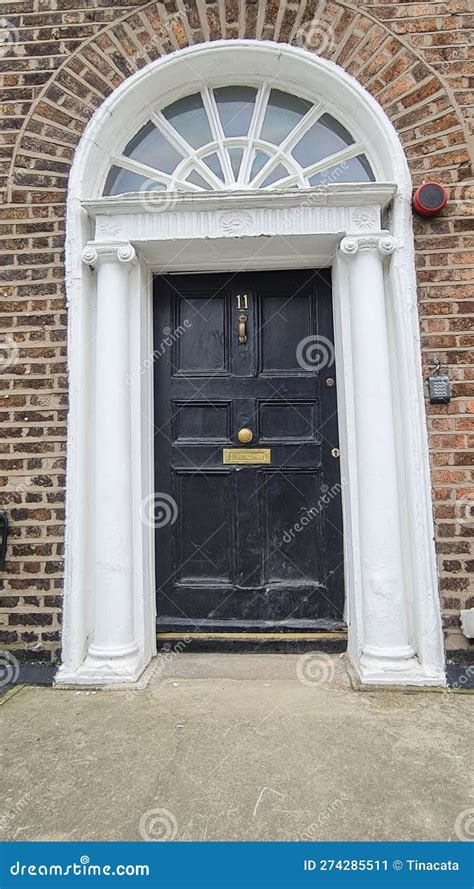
(248, 546)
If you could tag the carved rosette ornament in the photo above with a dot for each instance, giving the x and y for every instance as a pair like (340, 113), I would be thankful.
(364, 218)
(237, 223)
(108, 230)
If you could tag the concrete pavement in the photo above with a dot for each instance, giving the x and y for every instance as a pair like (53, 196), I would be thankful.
(236, 747)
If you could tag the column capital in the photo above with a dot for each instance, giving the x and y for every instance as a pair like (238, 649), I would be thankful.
(109, 251)
(380, 242)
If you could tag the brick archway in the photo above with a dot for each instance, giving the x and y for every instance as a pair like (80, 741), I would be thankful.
(378, 52)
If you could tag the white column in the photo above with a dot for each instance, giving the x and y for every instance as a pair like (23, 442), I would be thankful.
(112, 652)
(386, 650)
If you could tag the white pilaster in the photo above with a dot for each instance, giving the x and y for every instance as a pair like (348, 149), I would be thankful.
(387, 655)
(112, 651)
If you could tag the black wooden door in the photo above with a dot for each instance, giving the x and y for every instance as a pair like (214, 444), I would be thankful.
(246, 546)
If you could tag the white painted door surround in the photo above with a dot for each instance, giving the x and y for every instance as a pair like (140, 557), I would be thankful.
(363, 231)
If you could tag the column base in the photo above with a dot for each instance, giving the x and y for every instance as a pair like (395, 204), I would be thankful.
(117, 653)
(95, 670)
(394, 666)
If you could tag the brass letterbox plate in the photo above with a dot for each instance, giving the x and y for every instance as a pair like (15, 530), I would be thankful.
(246, 455)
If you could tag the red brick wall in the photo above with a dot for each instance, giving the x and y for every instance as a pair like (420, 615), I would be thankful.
(60, 58)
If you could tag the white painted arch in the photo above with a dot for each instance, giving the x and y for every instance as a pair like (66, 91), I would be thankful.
(351, 228)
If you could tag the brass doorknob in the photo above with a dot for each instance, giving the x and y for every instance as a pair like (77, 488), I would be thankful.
(245, 435)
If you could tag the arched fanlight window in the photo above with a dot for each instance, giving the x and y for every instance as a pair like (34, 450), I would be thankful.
(235, 137)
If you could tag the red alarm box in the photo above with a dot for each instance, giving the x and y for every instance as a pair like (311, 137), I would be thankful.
(429, 199)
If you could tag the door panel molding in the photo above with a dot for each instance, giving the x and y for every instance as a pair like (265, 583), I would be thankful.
(272, 578)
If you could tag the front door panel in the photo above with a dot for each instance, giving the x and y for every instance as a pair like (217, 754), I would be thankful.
(248, 545)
